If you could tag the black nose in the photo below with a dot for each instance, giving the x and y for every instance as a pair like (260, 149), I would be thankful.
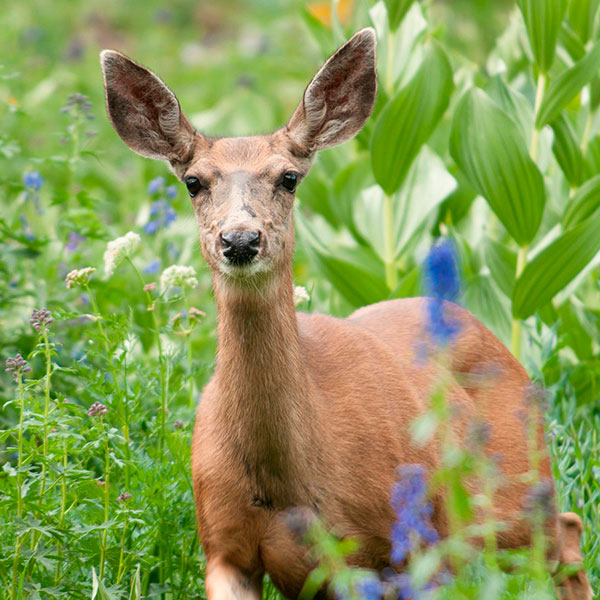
(240, 247)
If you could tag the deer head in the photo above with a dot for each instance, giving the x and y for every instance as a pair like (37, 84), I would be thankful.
(242, 189)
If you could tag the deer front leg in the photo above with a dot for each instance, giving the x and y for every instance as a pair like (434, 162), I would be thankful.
(224, 581)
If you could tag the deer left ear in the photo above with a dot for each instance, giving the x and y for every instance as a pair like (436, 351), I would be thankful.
(340, 98)
(144, 111)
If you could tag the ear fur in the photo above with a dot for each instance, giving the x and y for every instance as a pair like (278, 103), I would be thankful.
(340, 98)
(144, 111)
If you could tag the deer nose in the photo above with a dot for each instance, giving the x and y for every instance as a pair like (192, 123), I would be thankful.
(240, 247)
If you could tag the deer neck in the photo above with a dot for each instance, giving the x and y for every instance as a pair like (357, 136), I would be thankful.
(263, 387)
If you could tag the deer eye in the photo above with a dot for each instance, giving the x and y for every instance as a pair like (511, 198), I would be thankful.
(193, 185)
(289, 181)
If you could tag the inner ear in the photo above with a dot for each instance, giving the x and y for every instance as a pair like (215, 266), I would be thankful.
(144, 111)
(340, 98)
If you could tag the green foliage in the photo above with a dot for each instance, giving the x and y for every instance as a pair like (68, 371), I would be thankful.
(483, 141)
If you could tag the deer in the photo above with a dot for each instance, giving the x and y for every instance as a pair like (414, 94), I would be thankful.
(308, 410)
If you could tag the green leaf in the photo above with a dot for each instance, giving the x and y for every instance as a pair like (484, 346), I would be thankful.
(584, 203)
(396, 11)
(98, 589)
(543, 19)
(567, 151)
(570, 40)
(502, 263)
(136, 586)
(566, 86)
(582, 14)
(408, 120)
(489, 148)
(555, 266)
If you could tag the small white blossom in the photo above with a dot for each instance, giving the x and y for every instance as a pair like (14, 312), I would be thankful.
(118, 249)
(178, 276)
(300, 295)
(79, 277)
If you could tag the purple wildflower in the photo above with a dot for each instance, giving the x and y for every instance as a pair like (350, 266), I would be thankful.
(442, 283)
(157, 184)
(539, 500)
(124, 497)
(179, 424)
(97, 410)
(78, 104)
(369, 588)
(17, 366)
(413, 513)
(74, 240)
(161, 215)
(152, 268)
(41, 318)
(27, 233)
(33, 180)
(171, 191)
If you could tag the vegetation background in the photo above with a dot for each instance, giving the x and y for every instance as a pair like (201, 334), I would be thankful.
(485, 131)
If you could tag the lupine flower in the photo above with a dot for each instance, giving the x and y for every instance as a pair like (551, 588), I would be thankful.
(178, 276)
(118, 249)
(173, 251)
(74, 240)
(40, 318)
(97, 410)
(152, 268)
(17, 366)
(300, 295)
(124, 497)
(413, 513)
(171, 191)
(179, 424)
(369, 588)
(539, 500)
(442, 283)
(79, 277)
(155, 185)
(33, 180)
(162, 214)
(78, 104)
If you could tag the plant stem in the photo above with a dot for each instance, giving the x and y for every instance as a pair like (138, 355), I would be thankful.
(121, 569)
(534, 147)
(188, 339)
(517, 326)
(106, 495)
(391, 275)
(19, 541)
(46, 407)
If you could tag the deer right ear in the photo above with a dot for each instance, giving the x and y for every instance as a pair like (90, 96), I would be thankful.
(144, 111)
(339, 99)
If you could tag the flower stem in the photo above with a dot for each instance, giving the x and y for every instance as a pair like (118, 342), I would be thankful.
(534, 147)
(188, 339)
(46, 408)
(106, 495)
(391, 274)
(517, 326)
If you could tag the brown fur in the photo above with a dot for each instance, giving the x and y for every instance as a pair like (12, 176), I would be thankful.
(309, 410)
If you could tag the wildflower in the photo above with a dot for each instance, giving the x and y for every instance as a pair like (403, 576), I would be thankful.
(97, 410)
(124, 497)
(369, 588)
(40, 318)
(27, 233)
(79, 277)
(78, 104)
(300, 295)
(173, 251)
(442, 283)
(299, 520)
(413, 513)
(17, 366)
(539, 500)
(162, 214)
(178, 276)
(179, 424)
(152, 268)
(119, 249)
(74, 240)
(33, 180)
(537, 397)
(150, 287)
(478, 434)
(155, 185)
(171, 191)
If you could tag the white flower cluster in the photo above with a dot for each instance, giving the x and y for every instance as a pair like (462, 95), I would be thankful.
(300, 295)
(79, 277)
(178, 276)
(118, 249)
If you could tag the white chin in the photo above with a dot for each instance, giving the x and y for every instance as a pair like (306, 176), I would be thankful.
(242, 271)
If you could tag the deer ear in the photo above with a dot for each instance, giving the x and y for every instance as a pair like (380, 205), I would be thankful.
(340, 98)
(144, 111)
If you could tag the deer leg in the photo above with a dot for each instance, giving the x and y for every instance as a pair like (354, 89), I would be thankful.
(227, 582)
(574, 586)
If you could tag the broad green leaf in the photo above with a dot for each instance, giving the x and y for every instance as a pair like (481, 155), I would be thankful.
(355, 272)
(582, 14)
(502, 262)
(489, 148)
(555, 266)
(592, 157)
(396, 11)
(425, 187)
(484, 301)
(584, 203)
(136, 586)
(570, 40)
(566, 86)
(98, 590)
(543, 19)
(408, 120)
(567, 151)
(512, 103)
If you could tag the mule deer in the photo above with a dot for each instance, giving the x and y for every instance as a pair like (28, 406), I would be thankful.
(310, 410)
